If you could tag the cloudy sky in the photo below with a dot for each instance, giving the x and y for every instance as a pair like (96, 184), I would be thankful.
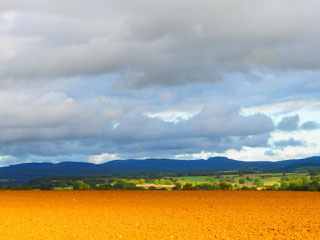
(109, 79)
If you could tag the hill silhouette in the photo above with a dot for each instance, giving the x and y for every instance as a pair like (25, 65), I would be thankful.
(21, 173)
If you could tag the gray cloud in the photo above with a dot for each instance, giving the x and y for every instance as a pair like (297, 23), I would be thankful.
(288, 124)
(270, 153)
(161, 43)
(50, 124)
(51, 116)
(289, 142)
(80, 78)
(310, 125)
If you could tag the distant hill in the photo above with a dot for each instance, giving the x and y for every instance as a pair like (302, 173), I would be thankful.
(21, 173)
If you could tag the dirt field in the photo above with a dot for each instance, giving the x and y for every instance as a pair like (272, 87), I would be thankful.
(159, 215)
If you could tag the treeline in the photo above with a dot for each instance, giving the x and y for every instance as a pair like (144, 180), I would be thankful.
(16, 187)
(88, 183)
(164, 182)
(300, 184)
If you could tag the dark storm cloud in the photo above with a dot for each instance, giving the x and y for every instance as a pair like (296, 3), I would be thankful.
(161, 43)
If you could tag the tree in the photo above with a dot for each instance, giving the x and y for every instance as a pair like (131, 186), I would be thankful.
(225, 186)
(130, 186)
(188, 186)
(258, 183)
(313, 172)
(104, 186)
(25, 187)
(168, 182)
(80, 185)
(120, 184)
(207, 186)
(142, 181)
(63, 185)
(284, 185)
(46, 186)
(272, 188)
(178, 186)
(156, 182)
(84, 186)
(123, 184)
(242, 180)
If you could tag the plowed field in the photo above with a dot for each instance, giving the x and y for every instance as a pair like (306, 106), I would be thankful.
(77, 215)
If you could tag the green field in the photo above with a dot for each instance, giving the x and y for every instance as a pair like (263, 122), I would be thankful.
(295, 181)
(265, 178)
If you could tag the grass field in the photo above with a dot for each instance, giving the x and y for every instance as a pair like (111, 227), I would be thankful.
(185, 215)
(194, 179)
(266, 178)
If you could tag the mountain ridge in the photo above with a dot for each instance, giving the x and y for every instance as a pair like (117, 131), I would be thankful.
(20, 173)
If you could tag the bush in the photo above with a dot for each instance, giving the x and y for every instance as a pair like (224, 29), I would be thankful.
(130, 186)
(225, 186)
(142, 181)
(313, 189)
(168, 182)
(123, 184)
(16, 187)
(47, 186)
(104, 187)
(258, 183)
(119, 184)
(274, 187)
(25, 187)
(207, 186)
(178, 186)
(80, 185)
(188, 186)
(242, 180)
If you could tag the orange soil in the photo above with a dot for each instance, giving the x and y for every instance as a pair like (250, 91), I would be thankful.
(33, 215)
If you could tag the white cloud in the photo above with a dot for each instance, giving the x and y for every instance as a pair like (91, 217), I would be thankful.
(282, 107)
(102, 158)
(172, 116)
(11, 45)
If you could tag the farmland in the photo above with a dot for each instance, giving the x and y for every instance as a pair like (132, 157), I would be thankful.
(296, 181)
(159, 215)
(265, 178)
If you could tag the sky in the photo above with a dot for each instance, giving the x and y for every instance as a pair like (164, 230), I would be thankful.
(100, 80)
